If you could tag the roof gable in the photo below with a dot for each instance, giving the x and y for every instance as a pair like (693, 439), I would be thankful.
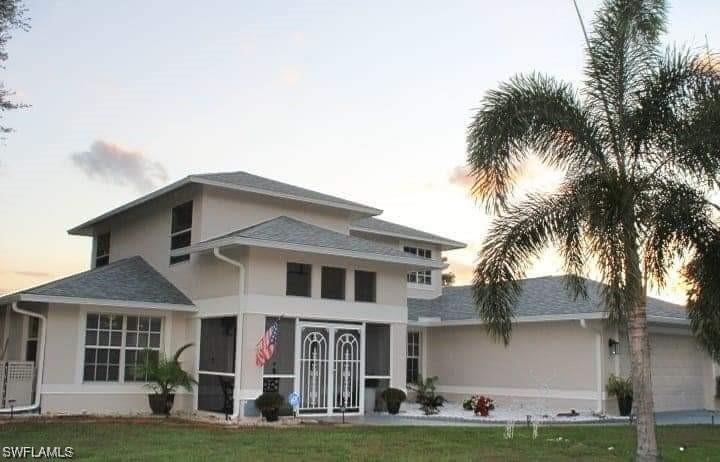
(374, 225)
(540, 297)
(238, 181)
(298, 235)
(131, 280)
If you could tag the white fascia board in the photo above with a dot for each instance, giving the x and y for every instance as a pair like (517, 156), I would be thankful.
(369, 211)
(668, 320)
(519, 319)
(447, 244)
(546, 318)
(82, 230)
(413, 263)
(105, 302)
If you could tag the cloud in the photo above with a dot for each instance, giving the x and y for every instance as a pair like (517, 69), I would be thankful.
(460, 176)
(115, 164)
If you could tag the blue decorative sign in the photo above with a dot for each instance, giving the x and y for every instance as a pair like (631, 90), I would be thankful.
(294, 399)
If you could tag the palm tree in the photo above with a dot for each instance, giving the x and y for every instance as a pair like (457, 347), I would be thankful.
(639, 148)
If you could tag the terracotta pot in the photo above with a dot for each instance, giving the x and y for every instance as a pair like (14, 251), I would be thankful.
(160, 405)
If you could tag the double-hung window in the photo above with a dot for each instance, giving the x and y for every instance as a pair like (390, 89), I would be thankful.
(413, 357)
(423, 278)
(102, 249)
(115, 345)
(181, 230)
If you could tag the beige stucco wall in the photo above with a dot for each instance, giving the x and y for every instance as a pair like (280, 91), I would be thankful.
(225, 211)
(554, 362)
(413, 291)
(268, 272)
(63, 387)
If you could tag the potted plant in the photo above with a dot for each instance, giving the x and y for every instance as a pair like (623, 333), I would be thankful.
(394, 397)
(623, 391)
(164, 376)
(269, 404)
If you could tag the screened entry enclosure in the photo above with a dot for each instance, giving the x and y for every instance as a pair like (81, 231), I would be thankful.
(325, 363)
(216, 374)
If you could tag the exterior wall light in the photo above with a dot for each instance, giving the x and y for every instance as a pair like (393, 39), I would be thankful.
(613, 346)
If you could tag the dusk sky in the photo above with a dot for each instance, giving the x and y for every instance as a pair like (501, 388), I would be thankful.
(367, 100)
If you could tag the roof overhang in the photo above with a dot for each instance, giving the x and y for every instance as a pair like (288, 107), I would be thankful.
(436, 322)
(446, 244)
(24, 297)
(410, 262)
(85, 229)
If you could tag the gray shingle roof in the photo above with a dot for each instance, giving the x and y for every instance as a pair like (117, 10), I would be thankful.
(128, 280)
(248, 180)
(288, 230)
(544, 296)
(376, 225)
(242, 181)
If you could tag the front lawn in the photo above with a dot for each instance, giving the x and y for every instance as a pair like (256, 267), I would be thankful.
(173, 441)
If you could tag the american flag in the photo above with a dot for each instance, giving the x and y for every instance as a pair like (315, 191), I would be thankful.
(266, 345)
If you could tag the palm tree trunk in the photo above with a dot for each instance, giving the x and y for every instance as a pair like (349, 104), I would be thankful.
(646, 446)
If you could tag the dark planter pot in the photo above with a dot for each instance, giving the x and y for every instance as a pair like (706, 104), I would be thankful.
(160, 405)
(625, 406)
(271, 415)
(393, 407)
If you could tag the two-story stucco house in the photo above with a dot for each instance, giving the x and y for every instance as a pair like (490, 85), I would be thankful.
(215, 259)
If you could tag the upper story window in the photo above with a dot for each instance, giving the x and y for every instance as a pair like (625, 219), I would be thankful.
(102, 249)
(419, 277)
(333, 283)
(365, 286)
(298, 279)
(115, 345)
(180, 230)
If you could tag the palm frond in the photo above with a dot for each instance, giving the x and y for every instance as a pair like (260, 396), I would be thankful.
(515, 239)
(703, 275)
(529, 113)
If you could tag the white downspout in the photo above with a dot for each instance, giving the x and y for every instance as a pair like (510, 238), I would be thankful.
(237, 412)
(41, 361)
(598, 364)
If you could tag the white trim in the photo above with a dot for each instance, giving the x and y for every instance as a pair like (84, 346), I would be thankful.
(598, 371)
(590, 395)
(437, 322)
(104, 302)
(447, 243)
(101, 389)
(519, 319)
(237, 240)
(377, 377)
(82, 229)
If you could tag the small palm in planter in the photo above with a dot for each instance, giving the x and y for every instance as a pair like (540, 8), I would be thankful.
(269, 404)
(164, 376)
(623, 390)
(394, 397)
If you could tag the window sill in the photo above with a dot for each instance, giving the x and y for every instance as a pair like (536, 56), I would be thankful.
(420, 286)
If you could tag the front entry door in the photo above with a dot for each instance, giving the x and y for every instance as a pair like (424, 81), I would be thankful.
(328, 368)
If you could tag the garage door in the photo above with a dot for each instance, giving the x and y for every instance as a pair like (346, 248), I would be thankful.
(677, 373)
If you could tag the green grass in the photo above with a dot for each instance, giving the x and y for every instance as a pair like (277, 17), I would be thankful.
(177, 442)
